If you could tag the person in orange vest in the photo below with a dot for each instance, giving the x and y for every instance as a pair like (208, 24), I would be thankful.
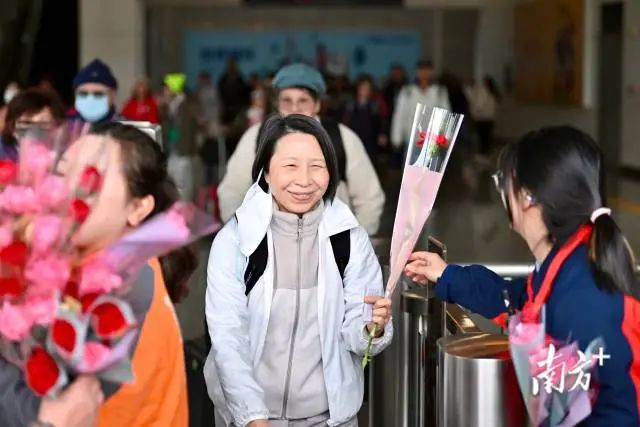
(136, 186)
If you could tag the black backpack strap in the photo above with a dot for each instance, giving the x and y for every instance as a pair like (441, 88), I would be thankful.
(341, 245)
(333, 129)
(256, 265)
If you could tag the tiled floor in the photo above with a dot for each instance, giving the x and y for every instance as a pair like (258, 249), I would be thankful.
(469, 219)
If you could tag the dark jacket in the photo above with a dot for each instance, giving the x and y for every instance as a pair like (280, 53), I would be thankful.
(577, 310)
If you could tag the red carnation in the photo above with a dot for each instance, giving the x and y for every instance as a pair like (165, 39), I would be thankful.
(90, 180)
(441, 141)
(11, 286)
(64, 335)
(109, 320)
(8, 172)
(42, 372)
(79, 210)
(14, 254)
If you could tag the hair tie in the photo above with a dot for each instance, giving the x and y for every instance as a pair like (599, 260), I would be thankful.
(598, 213)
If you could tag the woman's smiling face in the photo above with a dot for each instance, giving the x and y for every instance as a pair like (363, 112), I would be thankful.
(298, 174)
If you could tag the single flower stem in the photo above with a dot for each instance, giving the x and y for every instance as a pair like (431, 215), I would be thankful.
(367, 354)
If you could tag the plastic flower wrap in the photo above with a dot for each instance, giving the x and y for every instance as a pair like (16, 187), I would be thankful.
(556, 379)
(434, 134)
(62, 315)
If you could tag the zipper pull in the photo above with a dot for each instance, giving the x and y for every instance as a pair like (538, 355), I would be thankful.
(299, 228)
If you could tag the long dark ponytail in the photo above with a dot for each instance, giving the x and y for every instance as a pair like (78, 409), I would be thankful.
(145, 168)
(563, 169)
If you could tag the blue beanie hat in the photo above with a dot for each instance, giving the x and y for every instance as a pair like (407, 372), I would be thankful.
(95, 72)
(300, 75)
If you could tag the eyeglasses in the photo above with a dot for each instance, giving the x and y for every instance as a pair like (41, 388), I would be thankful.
(498, 180)
(86, 93)
(27, 124)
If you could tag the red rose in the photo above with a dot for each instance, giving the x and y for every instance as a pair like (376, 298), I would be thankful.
(14, 254)
(79, 210)
(42, 372)
(11, 286)
(90, 180)
(441, 141)
(422, 137)
(109, 320)
(88, 300)
(8, 172)
(64, 335)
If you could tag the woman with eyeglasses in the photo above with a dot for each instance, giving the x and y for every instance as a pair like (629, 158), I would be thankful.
(32, 109)
(552, 186)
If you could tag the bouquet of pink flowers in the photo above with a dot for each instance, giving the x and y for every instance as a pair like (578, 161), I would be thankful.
(62, 315)
(556, 379)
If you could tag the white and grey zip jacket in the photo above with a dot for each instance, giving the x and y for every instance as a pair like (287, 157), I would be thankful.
(238, 324)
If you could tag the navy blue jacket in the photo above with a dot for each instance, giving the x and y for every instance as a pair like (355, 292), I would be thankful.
(577, 310)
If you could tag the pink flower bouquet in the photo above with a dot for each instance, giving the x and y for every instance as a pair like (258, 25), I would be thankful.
(60, 315)
(556, 379)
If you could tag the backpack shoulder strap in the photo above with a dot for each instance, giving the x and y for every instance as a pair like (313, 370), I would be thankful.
(333, 129)
(341, 245)
(256, 265)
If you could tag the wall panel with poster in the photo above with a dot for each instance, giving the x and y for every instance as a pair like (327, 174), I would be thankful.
(347, 53)
(549, 51)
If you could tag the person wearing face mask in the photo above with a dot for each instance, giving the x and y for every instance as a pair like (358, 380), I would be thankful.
(95, 93)
(33, 109)
(552, 184)
(299, 90)
(12, 89)
(287, 283)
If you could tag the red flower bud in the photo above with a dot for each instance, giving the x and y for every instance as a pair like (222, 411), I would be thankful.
(441, 141)
(14, 254)
(8, 172)
(90, 180)
(422, 137)
(11, 286)
(110, 321)
(42, 372)
(64, 335)
(79, 210)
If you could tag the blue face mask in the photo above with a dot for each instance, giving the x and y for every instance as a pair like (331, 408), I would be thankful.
(92, 108)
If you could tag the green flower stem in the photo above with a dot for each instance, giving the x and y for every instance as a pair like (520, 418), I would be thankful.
(367, 354)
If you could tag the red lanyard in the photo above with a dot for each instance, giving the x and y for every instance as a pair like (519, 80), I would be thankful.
(533, 306)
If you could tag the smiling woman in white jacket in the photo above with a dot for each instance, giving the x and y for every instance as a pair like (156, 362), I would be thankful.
(287, 347)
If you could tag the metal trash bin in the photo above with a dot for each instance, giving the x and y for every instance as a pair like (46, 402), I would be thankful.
(477, 384)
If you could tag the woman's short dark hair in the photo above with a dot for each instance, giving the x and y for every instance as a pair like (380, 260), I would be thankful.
(31, 101)
(145, 170)
(563, 169)
(277, 126)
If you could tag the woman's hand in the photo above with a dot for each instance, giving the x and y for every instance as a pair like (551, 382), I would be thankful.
(425, 267)
(77, 406)
(381, 313)
(258, 423)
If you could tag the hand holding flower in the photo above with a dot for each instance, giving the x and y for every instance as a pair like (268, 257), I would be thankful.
(381, 314)
(425, 267)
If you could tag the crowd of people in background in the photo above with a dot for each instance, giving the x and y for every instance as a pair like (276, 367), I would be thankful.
(203, 121)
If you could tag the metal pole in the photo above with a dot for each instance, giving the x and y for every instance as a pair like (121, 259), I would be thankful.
(426, 324)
